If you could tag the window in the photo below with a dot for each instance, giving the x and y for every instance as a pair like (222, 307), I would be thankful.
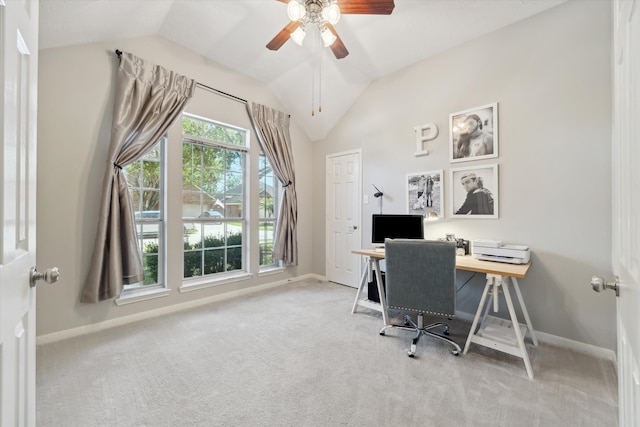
(269, 203)
(208, 207)
(213, 197)
(145, 180)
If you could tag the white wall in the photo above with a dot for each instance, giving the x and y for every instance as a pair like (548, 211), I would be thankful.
(75, 108)
(551, 77)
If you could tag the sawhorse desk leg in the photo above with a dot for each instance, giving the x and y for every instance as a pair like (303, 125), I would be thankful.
(494, 282)
(371, 264)
(363, 279)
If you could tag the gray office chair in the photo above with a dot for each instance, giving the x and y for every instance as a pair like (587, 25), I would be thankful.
(421, 278)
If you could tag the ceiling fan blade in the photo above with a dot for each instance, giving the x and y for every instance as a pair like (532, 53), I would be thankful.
(366, 7)
(337, 47)
(282, 37)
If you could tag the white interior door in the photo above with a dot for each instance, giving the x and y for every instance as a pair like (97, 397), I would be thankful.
(18, 121)
(626, 203)
(343, 226)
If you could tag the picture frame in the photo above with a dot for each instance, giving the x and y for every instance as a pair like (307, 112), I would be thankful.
(474, 192)
(424, 192)
(473, 133)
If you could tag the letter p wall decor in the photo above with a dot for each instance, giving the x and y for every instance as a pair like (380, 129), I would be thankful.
(424, 133)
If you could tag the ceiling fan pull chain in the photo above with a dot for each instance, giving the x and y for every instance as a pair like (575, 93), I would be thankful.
(313, 83)
(320, 85)
(313, 74)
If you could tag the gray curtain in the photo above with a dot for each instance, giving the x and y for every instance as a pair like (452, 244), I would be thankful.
(272, 128)
(148, 99)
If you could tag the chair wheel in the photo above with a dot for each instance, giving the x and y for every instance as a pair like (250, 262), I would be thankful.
(411, 355)
(455, 352)
(446, 332)
(382, 333)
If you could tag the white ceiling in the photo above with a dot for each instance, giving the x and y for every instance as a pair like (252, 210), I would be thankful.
(234, 33)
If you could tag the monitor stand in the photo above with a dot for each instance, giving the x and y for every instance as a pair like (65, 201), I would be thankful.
(378, 247)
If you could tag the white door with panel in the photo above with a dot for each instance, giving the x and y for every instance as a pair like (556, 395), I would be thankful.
(18, 121)
(625, 231)
(343, 195)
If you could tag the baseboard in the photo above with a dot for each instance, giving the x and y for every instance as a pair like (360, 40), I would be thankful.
(120, 321)
(578, 346)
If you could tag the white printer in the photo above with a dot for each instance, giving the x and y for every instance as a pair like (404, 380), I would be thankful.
(492, 250)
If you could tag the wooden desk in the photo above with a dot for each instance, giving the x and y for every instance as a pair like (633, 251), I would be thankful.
(488, 331)
(469, 263)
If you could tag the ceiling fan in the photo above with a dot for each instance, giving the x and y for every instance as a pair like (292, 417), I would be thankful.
(325, 14)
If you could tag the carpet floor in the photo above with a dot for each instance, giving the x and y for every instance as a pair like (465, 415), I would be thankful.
(295, 356)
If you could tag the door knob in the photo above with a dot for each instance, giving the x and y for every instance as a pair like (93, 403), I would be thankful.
(51, 275)
(599, 284)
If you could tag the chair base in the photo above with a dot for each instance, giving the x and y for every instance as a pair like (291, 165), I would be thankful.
(420, 330)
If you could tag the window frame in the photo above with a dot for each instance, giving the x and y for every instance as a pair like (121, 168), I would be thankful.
(276, 265)
(171, 255)
(210, 279)
(139, 288)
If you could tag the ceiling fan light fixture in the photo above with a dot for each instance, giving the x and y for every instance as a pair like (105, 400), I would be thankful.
(296, 10)
(327, 36)
(298, 35)
(331, 13)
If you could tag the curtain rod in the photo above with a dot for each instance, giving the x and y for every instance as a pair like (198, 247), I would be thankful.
(203, 86)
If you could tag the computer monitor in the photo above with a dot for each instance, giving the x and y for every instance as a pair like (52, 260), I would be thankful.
(396, 227)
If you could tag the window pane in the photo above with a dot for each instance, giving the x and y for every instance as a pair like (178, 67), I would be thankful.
(151, 174)
(150, 263)
(214, 235)
(234, 162)
(234, 259)
(188, 162)
(266, 242)
(135, 199)
(191, 203)
(192, 263)
(214, 132)
(234, 198)
(194, 231)
(214, 261)
(151, 203)
(234, 251)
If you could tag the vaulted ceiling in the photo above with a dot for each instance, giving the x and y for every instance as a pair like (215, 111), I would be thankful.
(233, 33)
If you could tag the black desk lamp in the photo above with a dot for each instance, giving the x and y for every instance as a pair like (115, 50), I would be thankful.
(378, 195)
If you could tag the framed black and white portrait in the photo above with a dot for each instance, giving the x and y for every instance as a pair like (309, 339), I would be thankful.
(424, 193)
(474, 192)
(473, 133)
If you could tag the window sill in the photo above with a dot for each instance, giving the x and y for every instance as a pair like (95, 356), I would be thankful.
(270, 271)
(210, 282)
(137, 296)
